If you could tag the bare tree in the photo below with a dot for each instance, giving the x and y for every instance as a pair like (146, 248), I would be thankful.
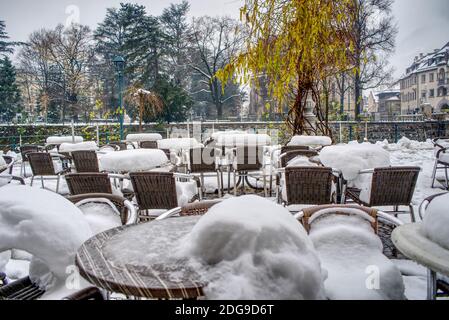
(374, 34)
(216, 41)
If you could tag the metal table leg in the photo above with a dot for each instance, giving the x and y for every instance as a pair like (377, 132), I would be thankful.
(431, 285)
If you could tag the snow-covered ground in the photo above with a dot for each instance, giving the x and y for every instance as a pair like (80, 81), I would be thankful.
(403, 153)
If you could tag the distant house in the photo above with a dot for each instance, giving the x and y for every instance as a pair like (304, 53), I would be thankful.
(389, 104)
(426, 82)
(372, 103)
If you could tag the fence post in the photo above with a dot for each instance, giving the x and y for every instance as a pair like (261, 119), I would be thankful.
(396, 129)
(350, 133)
(98, 135)
(107, 137)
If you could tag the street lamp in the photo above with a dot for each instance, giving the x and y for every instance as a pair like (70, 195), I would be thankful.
(120, 68)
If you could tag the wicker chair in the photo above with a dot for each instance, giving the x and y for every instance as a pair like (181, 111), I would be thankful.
(393, 186)
(127, 210)
(383, 224)
(85, 161)
(42, 166)
(286, 149)
(202, 161)
(442, 286)
(191, 209)
(85, 183)
(156, 191)
(24, 151)
(306, 186)
(285, 158)
(246, 160)
(148, 145)
(441, 161)
(25, 289)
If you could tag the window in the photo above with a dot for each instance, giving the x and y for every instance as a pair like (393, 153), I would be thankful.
(423, 94)
(432, 93)
(423, 78)
(431, 77)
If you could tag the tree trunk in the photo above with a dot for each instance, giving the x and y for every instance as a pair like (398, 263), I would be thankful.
(358, 94)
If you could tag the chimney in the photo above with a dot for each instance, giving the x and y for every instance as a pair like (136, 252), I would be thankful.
(421, 55)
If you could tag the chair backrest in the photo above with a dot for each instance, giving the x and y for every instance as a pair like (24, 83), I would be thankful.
(286, 149)
(41, 163)
(308, 185)
(85, 183)
(122, 145)
(290, 155)
(9, 162)
(25, 149)
(117, 201)
(393, 186)
(202, 160)
(340, 210)
(148, 145)
(154, 190)
(249, 158)
(85, 161)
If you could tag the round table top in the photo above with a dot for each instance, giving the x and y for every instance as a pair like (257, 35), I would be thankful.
(140, 260)
(414, 245)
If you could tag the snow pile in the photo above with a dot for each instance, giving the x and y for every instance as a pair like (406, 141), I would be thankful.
(132, 160)
(4, 259)
(310, 141)
(65, 139)
(47, 226)
(351, 253)
(406, 145)
(100, 216)
(179, 144)
(301, 161)
(435, 225)
(139, 137)
(185, 192)
(83, 146)
(251, 248)
(217, 134)
(350, 159)
(234, 140)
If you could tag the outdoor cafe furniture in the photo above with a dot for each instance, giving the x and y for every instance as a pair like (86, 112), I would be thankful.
(24, 150)
(305, 186)
(157, 192)
(414, 244)
(148, 145)
(7, 164)
(316, 142)
(136, 138)
(42, 166)
(85, 161)
(55, 142)
(391, 186)
(138, 261)
(202, 161)
(441, 160)
(127, 211)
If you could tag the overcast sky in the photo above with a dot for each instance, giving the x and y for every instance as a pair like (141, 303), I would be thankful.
(423, 24)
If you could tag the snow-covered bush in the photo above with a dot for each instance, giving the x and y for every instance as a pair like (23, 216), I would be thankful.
(252, 248)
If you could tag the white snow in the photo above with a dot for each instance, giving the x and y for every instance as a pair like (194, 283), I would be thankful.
(64, 139)
(310, 141)
(178, 144)
(251, 248)
(236, 140)
(435, 225)
(351, 252)
(301, 161)
(185, 192)
(82, 146)
(47, 226)
(101, 216)
(139, 137)
(217, 134)
(3, 164)
(132, 160)
(354, 157)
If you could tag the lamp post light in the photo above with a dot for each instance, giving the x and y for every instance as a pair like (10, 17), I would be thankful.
(120, 68)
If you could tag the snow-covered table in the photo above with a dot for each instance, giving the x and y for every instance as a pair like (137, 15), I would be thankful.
(133, 160)
(410, 240)
(139, 261)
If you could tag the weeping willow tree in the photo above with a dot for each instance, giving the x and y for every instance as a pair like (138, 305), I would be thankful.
(295, 44)
(148, 102)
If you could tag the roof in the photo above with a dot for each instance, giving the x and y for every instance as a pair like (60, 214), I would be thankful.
(429, 61)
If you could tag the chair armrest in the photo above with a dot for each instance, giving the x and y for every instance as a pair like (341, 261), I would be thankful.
(169, 213)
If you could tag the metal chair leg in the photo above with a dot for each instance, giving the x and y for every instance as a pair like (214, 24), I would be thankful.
(32, 181)
(42, 182)
(431, 285)
(219, 184)
(235, 184)
(57, 184)
(412, 214)
(434, 174)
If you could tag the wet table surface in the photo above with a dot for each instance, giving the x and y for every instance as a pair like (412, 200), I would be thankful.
(142, 260)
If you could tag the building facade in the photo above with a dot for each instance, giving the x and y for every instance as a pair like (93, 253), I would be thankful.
(426, 82)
